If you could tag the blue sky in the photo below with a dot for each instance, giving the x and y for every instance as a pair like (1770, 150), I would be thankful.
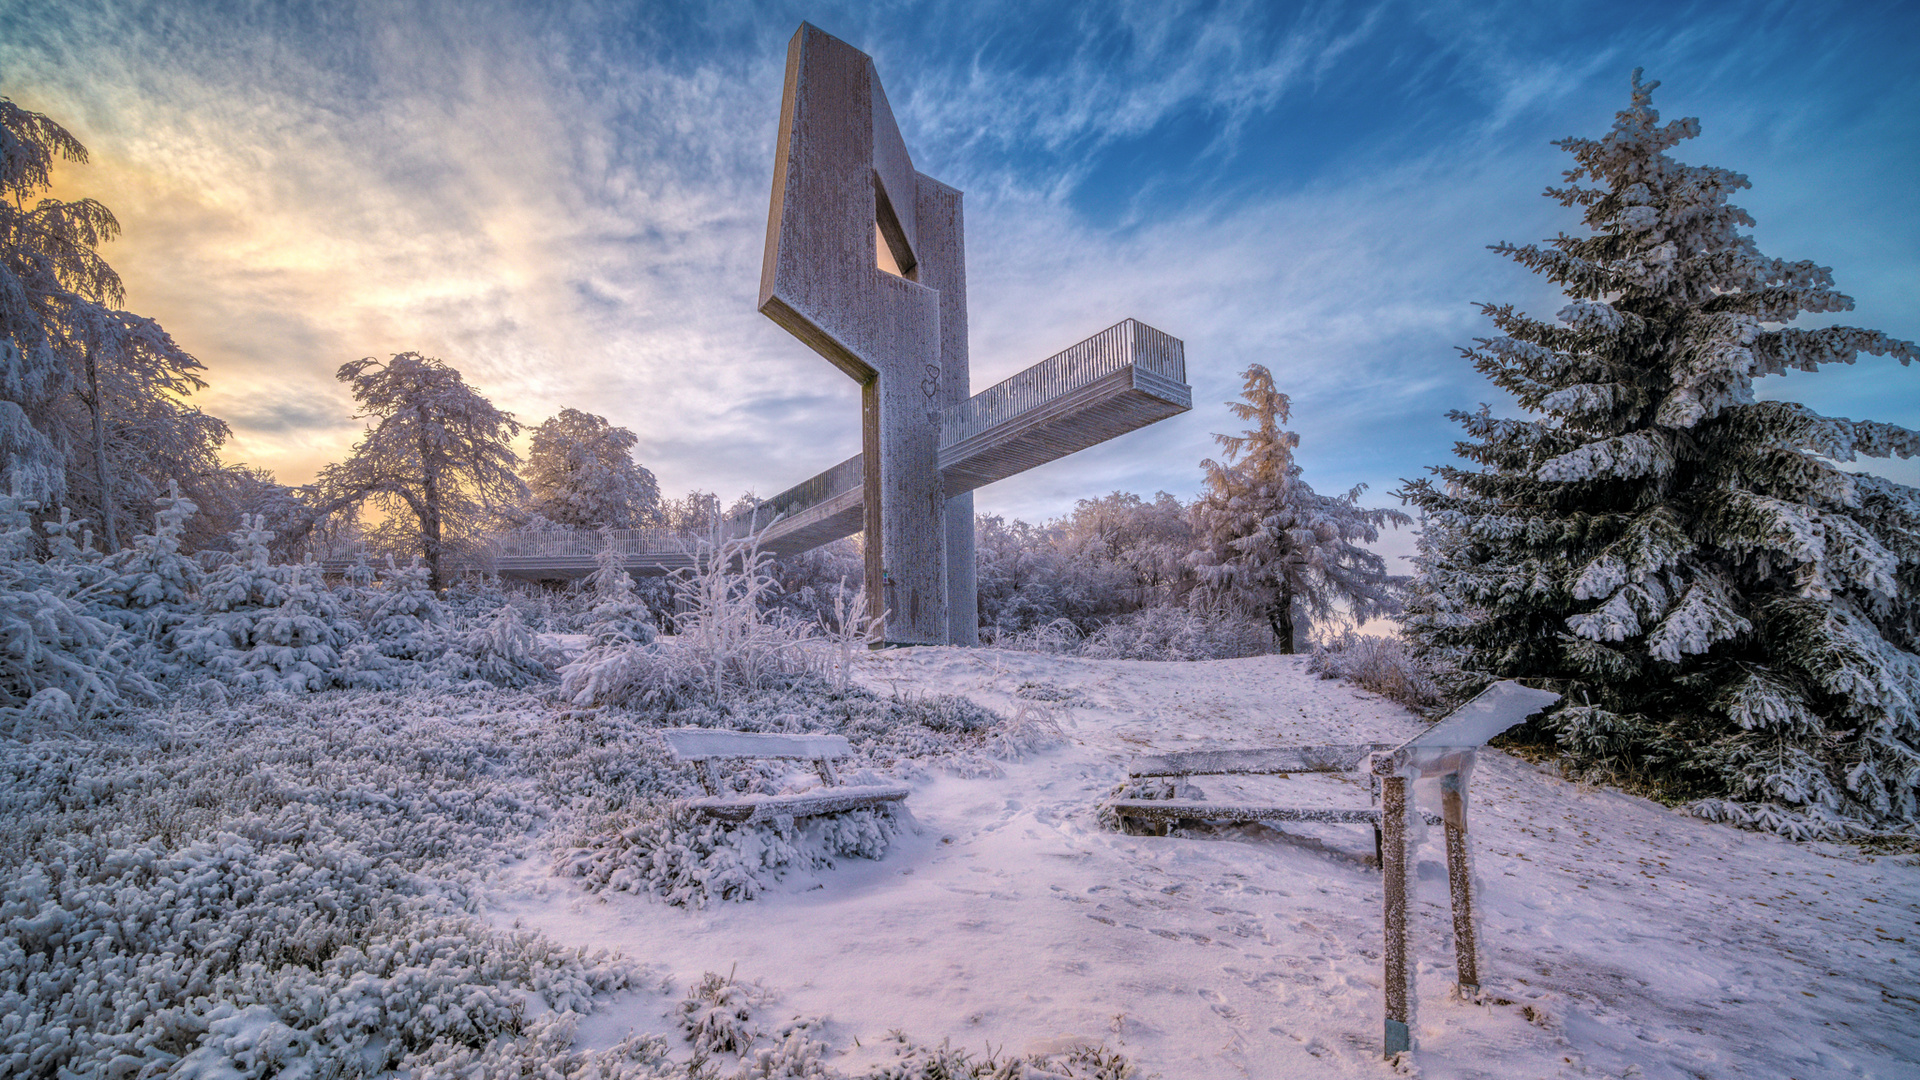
(569, 204)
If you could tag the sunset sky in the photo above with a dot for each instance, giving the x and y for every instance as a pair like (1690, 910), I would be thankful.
(567, 201)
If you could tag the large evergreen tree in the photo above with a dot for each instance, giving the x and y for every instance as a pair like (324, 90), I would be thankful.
(79, 379)
(1270, 545)
(1726, 611)
(435, 460)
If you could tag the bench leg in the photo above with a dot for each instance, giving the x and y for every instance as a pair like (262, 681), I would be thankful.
(1142, 826)
(1460, 883)
(1398, 1036)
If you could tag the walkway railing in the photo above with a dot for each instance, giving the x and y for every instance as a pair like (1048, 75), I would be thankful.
(1125, 343)
(591, 542)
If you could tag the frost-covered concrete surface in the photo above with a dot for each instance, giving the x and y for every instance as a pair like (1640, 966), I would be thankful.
(1621, 938)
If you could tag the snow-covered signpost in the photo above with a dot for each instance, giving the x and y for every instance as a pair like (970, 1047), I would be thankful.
(1445, 752)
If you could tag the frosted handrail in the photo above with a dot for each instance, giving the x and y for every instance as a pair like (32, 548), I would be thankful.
(1495, 709)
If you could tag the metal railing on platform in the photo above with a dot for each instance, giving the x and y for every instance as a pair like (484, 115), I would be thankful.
(1128, 342)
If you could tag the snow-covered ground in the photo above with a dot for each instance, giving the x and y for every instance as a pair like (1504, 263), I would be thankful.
(1620, 938)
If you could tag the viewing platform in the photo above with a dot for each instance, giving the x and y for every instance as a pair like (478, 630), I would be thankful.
(1120, 379)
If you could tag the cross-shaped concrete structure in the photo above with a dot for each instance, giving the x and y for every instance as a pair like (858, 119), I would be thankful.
(866, 263)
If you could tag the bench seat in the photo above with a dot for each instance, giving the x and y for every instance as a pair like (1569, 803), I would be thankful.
(704, 746)
(751, 809)
(1173, 810)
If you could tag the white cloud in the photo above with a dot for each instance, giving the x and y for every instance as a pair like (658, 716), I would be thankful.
(570, 207)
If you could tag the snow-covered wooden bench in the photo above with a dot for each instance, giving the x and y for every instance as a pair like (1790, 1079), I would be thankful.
(1155, 816)
(707, 746)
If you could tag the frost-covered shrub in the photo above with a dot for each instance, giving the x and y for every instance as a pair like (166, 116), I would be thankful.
(688, 859)
(1156, 633)
(901, 736)
(727, 633)
(1382, 664)
(1177, 633)
(650, 677)
(717, 1016)
(546, 1048)
(228, 892)
(1058, 636)
(730, 641)
(51, 638)
(919, 1061)
(497, 649)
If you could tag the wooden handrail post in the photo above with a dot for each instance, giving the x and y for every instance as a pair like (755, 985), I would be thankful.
(1453, 813)
(1393, 882)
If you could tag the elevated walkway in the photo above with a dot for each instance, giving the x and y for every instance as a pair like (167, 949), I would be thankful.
(1120, 379)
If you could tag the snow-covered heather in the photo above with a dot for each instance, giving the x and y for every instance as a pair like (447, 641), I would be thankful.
(1621, 938)
(287, 883)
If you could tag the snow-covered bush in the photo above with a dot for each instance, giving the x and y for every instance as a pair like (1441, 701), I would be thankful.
(1155, 633)
(496, 649)
(1060, 636)
(727, 632)
(717, 1015)
(687, 859)
(918, 1061)
(618, 615)
(1382, 664)
(732, 640)
(1177, 633)
(234, 892)
(52, 641)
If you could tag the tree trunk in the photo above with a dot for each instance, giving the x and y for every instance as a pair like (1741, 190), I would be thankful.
(430, 511)
(430, 536)
(109, 530)
(1280, 617)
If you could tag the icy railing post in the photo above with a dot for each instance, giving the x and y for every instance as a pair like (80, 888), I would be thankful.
(1445, 751)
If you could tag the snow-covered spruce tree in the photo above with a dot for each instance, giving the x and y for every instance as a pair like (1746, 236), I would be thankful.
(1727, 613)
(1270, 545)
(580, 473)
(150, 587)
(58, 660)
(264, 625)
(404, 620)
(619, 615)
(435, 461)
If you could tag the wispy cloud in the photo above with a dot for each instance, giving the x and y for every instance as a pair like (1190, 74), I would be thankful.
(569, 204)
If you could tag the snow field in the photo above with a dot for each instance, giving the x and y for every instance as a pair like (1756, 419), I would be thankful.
(1620, 938)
